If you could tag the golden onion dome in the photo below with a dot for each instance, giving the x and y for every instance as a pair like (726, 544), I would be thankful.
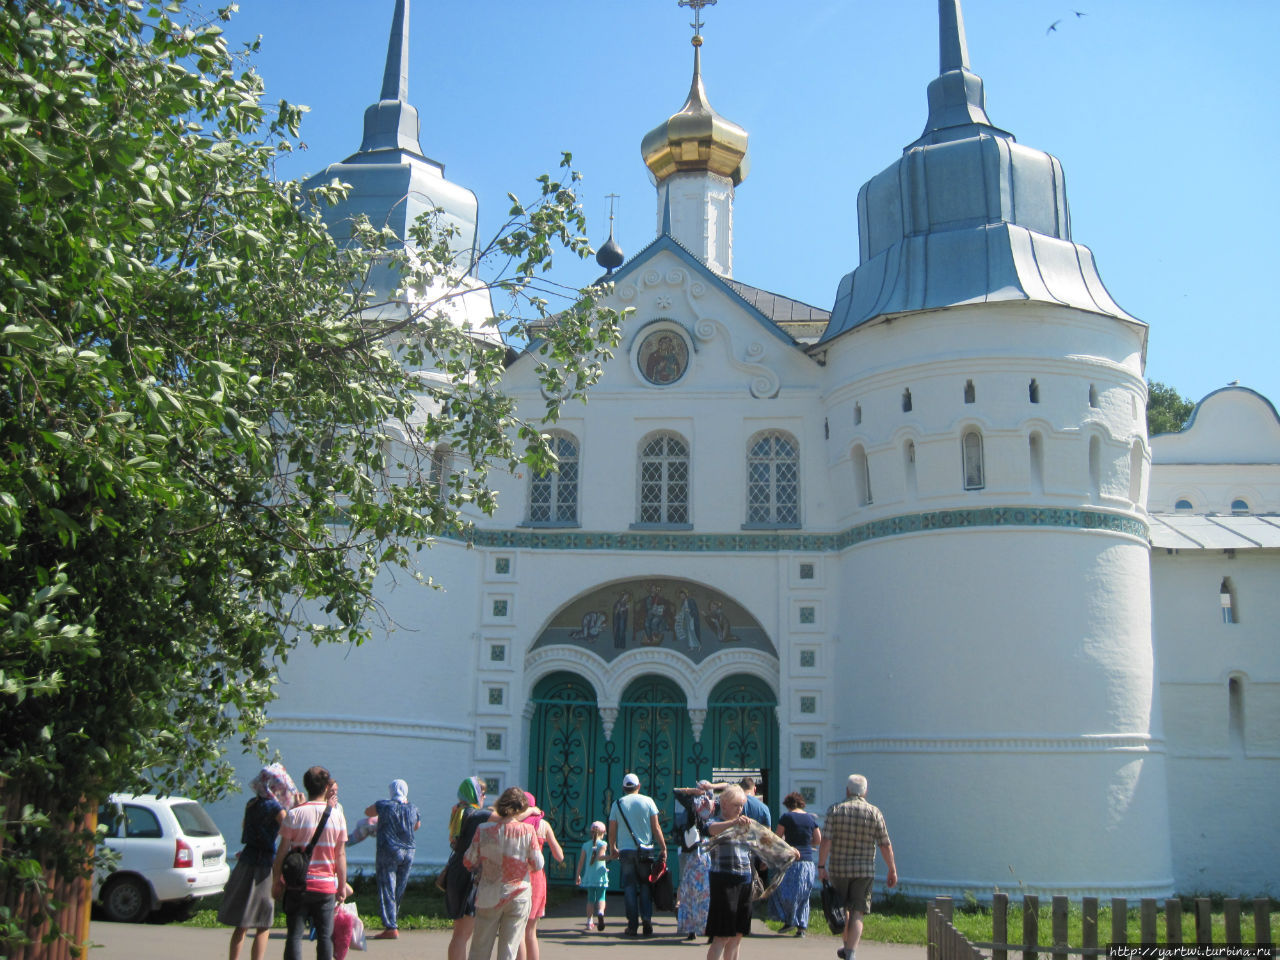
(697, 138)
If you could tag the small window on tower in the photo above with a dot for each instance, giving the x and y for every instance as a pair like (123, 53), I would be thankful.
(1183, 506)
(1239, 506)
(970, 394)
(1227, 600)
(1093, 396)
(857, 413)
(1033, 391)
(906, 401)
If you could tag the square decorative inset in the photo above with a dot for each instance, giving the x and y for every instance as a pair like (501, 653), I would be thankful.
(808, 749)
(808, 658)
(806, 571)
(492, 786)
(808, 704)
(493, 741)
(495, 696)
(499, 608)
(498, 653)
(807, 615)
(502, 566)
(810, 794)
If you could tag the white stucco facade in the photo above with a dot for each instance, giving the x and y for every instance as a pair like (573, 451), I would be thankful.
(913, 544)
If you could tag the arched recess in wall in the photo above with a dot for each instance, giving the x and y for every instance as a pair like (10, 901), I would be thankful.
(861, 476)
(1137, 463)
(1035, 452)
(1095, 468)
(1235, 713)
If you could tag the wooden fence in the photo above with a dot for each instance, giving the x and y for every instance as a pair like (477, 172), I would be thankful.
(947, 943)
(27, 907)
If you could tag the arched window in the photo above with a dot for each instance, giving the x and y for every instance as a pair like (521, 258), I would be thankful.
(1183, 506)
(906, 401)
(1033, 391)
(909, 459)
(441, 465)
(553, 496)
(857, 413)
(1035, 449)
(664, 480)
(861, 476)
(1227, 600)
(970, 392)
(971, 452)
(1239, 506)
(1093, 395)
(773, 479)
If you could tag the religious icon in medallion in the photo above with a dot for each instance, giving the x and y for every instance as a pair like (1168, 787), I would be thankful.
(663, 357)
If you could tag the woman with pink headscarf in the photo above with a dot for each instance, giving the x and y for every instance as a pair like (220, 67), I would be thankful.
(544, 837)
(246, 899)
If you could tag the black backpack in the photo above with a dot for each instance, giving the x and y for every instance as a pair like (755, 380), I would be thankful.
(293, 869)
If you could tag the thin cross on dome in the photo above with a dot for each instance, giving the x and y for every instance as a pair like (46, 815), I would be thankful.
(697, 6)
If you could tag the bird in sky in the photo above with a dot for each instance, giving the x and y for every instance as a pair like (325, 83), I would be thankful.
(1052, 27)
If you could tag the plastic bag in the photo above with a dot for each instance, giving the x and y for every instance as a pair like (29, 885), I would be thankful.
(348, 930)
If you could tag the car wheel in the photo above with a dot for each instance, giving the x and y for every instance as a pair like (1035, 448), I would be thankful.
(126, 900)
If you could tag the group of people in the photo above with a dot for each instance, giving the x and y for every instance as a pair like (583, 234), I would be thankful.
(494, 882)
(278, 819)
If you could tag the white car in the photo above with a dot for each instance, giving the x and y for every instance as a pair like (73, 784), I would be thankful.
(171, 852)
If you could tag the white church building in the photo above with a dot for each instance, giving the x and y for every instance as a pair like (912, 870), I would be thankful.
(922, 536)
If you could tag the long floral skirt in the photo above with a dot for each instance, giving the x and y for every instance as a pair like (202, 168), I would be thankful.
(790, 902)
(695, 892)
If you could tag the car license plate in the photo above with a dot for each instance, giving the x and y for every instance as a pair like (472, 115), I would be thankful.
(211, 857)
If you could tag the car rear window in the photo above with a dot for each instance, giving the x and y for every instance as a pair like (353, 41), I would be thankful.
(193, 820)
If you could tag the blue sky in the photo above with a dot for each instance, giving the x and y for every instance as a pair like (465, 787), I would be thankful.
(1164, 114)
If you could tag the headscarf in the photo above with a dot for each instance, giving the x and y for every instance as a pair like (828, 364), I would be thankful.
(399, 791)
(469, 793)
(274, 783)
(534, 820)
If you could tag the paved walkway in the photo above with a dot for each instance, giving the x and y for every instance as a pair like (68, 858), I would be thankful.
(560, 937)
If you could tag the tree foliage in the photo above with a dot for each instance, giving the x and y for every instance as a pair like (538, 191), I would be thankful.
(1167, 410)
(207, 429)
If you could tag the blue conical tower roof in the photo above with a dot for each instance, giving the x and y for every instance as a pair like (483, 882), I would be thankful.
(393, 181)
(967, 215)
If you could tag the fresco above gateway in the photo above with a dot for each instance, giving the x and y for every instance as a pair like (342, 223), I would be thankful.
(679, 615)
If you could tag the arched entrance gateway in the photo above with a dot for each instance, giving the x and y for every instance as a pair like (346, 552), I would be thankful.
(665, 678)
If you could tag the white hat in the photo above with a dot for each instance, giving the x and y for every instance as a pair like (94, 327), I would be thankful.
(631, 780)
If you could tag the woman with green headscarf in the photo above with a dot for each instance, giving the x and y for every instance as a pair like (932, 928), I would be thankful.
(459, 887)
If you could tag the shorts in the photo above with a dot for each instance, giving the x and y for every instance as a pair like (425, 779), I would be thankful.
(854, 892)
(596, 894)
(729, 910)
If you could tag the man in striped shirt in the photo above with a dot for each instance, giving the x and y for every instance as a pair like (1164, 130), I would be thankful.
(327, 872)
(847, 856)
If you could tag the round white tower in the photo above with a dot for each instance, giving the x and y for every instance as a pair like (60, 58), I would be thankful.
(987, 419)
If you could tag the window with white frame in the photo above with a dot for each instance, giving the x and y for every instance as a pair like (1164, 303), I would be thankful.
(861, 476)
(553, 496)
(441, 465)
(664, 480)
(773, 479)
(971, 449)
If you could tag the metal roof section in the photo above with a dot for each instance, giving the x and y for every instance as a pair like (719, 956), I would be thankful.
(966, 216)
(1208, 532)
(393, 182)
(802, 321)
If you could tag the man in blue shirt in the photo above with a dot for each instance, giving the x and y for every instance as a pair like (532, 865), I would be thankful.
(755, 808)
(635, 839)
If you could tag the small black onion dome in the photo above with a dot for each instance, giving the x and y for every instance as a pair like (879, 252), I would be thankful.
(610, 256)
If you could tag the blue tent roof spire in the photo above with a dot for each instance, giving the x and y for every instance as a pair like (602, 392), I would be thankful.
(395, 79)
(392, 123)
(956, 97)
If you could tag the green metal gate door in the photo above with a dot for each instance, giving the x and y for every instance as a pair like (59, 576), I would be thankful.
(565, 740)
(742, 731)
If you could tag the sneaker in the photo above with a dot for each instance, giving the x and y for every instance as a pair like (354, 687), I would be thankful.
(842, 953)
(800, 932)
(599, 921)
(630, 932)
(648, 930)
(784, 928)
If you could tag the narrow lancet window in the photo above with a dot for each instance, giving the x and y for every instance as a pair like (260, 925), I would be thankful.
(906, 401)
(970, 394)
(971, 450)
(1033, 391)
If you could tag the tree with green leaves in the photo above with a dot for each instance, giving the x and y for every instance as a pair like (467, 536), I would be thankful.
(1167, 410)
(206, 426)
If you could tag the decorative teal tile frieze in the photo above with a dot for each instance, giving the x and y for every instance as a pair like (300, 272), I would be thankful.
(773, 542)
